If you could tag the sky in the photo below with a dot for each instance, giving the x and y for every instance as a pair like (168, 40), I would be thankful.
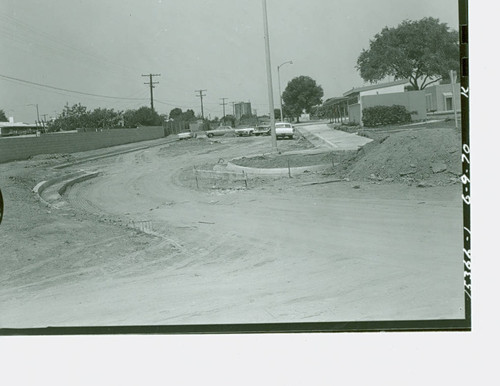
(94, 52)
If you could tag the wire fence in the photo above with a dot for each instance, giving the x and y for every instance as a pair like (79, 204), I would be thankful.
(215, 179)
(145, 226)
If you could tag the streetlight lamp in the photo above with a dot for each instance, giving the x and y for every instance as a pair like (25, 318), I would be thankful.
(279, 87)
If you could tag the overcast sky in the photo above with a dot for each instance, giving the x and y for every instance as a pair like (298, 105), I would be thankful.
(103, 47)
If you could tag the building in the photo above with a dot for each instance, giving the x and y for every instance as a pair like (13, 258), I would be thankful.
(437, 99)
(441, 98)
(17, 128)
(358, 101)
(242, 108)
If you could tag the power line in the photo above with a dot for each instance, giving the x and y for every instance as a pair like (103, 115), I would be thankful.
(65, 89)
(151, 87)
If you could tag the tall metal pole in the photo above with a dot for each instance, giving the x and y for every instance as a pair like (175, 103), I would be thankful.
(279, 87)
(269, 78)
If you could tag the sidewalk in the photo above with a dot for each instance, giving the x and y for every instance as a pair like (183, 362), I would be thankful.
(321, 135)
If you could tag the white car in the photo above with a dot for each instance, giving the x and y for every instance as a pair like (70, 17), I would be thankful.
(186, 135)
(284, 129)
(241, 131)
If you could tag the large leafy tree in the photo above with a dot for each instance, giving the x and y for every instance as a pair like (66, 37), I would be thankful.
(3, 117)
(104, 118)
(301, 94)
(143, 116)
(421, 51)
(175, 113)
(78, 116)
(71, 118)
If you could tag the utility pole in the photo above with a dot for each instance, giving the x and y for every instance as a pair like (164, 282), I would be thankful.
(201, 98)
(223, 104)
(44, 120)
(37, 114)
(151, 87)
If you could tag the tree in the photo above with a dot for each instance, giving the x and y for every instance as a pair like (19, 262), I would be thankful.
(3, 117)
(144, 116)
(229, 119)
(104, 118)
(175, 113)
(421, 51)
(71, 118)
(301, 94)
(189, 115)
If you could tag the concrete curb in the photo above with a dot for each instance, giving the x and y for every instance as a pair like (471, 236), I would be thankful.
(72, 179)
(86, 176)
(113, 154)
(276, 171)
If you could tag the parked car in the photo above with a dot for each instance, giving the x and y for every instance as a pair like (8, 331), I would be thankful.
(245, 130)
(186, 135)
(262, 130)
(221, 130)
(284, 129)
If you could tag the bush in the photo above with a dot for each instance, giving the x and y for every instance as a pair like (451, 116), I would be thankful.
(385, 115)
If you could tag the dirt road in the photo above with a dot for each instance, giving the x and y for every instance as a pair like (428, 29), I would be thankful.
(142, 245)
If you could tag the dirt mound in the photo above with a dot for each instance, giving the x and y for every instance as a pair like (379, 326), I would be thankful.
(421, 155)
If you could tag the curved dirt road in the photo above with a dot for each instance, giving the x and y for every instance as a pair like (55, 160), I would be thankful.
(280, 251)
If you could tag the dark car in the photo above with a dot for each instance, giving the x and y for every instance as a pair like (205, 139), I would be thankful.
(221, 130)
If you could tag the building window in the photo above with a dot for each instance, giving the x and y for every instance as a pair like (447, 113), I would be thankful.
(428, 102)
(448, 101)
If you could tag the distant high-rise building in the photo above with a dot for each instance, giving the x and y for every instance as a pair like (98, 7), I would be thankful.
(242, 108)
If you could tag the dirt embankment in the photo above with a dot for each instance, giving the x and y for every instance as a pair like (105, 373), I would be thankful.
(422, 156)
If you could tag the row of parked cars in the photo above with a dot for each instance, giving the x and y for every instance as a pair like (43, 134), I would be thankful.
(283, 130)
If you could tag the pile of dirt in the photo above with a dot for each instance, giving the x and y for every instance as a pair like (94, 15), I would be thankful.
(421, 156)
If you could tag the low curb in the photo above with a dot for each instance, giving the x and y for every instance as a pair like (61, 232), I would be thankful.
(276, 171)
(72, 179)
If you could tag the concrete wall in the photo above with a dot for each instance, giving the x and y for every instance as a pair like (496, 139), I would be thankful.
(19, 148)
(412, 100)
(354, 112)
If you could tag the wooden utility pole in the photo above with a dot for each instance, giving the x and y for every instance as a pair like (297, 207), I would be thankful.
(201, 98)
(223, 104)
(151, 87)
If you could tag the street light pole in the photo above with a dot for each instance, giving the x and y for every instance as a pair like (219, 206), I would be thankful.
(269, 78)
(279, 87)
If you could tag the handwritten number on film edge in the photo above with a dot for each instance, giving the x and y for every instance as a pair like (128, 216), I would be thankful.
(466, 198)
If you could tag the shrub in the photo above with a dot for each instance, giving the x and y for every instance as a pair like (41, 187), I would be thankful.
(385, 115)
